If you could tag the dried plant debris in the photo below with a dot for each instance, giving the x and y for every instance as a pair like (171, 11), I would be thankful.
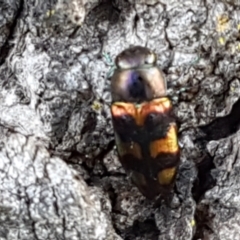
(59, 171)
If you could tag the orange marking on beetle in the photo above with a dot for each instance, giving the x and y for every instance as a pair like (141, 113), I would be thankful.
(119, 109)
(169, 144)
(140, 111)
(161, 105)
(164, 100)
(166, 176)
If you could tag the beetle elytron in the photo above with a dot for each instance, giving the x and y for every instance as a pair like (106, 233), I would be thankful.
(145, 127)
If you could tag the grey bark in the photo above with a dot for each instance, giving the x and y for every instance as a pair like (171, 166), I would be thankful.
(59, 173)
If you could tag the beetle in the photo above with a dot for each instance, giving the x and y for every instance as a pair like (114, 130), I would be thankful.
(144, 124)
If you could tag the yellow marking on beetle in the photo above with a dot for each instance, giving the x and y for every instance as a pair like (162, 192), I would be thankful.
(169, 144)
(164, 101)
(166, 176)
(140, 111)
(128, 148)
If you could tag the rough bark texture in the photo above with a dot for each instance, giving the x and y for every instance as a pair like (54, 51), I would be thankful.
(59, 173)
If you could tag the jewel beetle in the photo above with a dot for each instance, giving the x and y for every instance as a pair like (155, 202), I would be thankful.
(144, 124)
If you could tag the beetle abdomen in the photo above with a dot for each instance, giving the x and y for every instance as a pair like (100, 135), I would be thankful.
(146, 138)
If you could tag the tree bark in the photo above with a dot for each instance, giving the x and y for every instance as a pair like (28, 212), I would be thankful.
(59, 171)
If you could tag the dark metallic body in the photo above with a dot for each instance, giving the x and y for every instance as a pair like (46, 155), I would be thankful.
(145, 128)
